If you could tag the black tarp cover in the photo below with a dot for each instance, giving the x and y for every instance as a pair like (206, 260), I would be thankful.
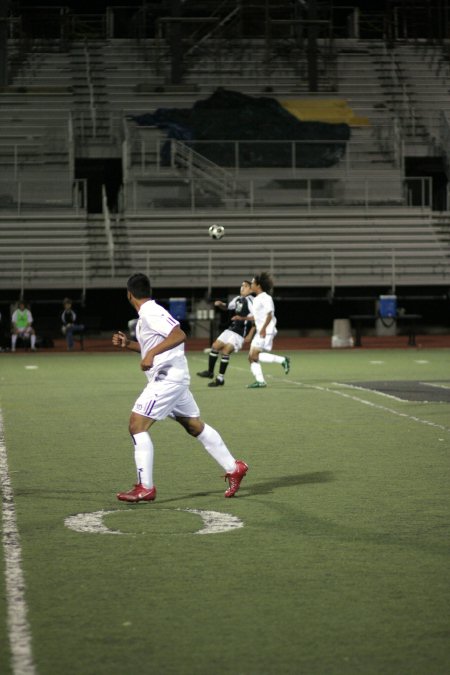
(229, 115)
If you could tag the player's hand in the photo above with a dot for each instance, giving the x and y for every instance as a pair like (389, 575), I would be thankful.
(119, 339)
(262, 332)
(147, 362)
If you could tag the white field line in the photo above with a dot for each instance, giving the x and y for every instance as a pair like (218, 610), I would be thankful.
(373, 391)
(377, 406)
(18, 629)
(357, 399)
(435, 384)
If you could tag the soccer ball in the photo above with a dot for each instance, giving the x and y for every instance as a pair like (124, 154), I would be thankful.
(216, 231)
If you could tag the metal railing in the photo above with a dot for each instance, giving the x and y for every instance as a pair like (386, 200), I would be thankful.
(256, 195)
(108, 229)
(444, 129)
(90, 86)
(25, 272)
(147, 155)
(208, 267)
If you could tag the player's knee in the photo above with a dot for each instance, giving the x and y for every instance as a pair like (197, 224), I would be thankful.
(193, 425)
(138, 424)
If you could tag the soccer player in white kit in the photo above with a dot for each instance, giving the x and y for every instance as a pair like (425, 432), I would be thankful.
(160, 342)
(263, 313)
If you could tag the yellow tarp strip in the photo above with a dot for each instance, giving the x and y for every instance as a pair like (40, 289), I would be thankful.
(334, 111)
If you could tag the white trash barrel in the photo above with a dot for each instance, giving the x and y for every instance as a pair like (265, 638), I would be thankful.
(342, 334)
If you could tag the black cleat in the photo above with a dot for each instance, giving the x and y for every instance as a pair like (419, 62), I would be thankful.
(217, 383)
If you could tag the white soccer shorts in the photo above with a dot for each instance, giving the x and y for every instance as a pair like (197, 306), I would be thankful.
(160, 399)
(229, 337)
(263, 344)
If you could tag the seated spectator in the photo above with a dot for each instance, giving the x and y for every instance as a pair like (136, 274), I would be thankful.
(70, 327)
(22, 326)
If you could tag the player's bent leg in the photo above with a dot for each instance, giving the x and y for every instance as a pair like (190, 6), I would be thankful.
(213, 443)
(284, 361)
(193, 425)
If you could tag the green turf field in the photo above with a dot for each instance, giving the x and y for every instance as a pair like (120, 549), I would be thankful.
(341, 565)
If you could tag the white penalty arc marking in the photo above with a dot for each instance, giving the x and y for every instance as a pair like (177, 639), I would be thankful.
(214, 522)
(18, 629)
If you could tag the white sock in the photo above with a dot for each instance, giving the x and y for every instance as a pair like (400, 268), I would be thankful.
(143, 457)
(13, 341)
(213, 443)
(33, 341)
(271, 358)
(257, 371)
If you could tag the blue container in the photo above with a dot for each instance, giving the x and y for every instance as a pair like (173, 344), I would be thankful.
(178, 308)
(388, 306)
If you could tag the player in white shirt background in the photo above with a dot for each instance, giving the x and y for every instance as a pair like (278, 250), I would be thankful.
(263, 313)
(160, 342)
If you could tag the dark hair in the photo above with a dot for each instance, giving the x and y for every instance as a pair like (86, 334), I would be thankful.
(139, 286)
(264, 280)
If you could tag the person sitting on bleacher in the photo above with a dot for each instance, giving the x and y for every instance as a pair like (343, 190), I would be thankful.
(22, 326)
(70, 327)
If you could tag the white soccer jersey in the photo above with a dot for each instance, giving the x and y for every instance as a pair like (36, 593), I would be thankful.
(262, 305)
(155, 324)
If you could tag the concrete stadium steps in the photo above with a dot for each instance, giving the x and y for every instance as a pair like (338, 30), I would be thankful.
(330, 248)
(35, 109)
(44, 251)
(38, 189)
(131, 68)
(257, 189)
(309, 251)
(415, 77)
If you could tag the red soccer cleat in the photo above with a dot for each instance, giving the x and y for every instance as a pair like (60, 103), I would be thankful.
(138, 494)
(234, 479)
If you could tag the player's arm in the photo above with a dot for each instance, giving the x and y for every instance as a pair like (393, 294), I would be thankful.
(175, 338)
(250, 334)
(119, 339)
(249, 317)
(262, 332)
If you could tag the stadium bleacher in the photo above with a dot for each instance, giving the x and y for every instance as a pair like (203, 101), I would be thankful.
(360, 222)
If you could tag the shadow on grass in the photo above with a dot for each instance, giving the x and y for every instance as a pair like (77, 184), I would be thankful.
(268, 486)
(265, 487)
